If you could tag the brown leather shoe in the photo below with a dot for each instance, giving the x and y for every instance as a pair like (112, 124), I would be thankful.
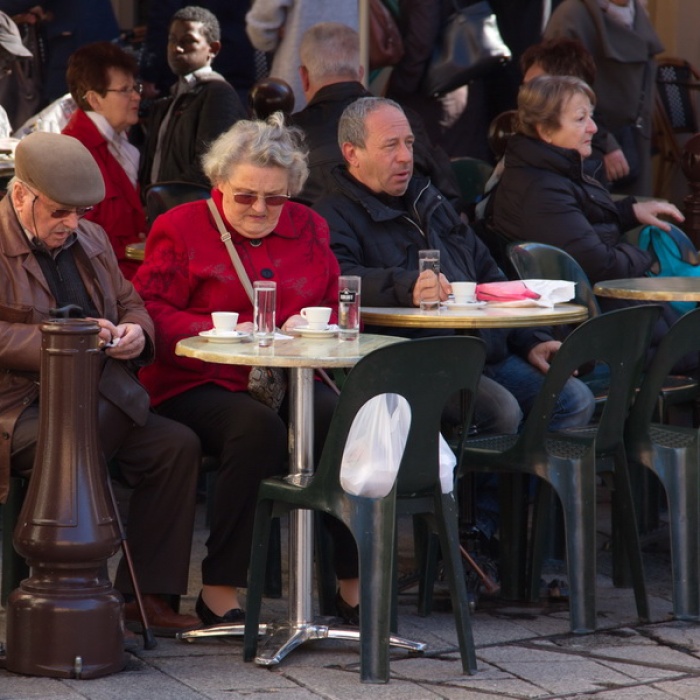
(163, 620)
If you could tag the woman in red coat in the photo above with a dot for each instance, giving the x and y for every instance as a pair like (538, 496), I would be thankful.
(102, 81)
(188, 274)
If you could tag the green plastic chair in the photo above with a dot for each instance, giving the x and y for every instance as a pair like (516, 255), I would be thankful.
(673, 454)
(567, 462)
(426, 372)
(472, 175)
(542, 261)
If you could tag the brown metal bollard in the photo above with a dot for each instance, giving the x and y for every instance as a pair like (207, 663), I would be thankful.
(690, 162)
(65, 620)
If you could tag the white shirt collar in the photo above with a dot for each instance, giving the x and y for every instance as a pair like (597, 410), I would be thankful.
(103, 126)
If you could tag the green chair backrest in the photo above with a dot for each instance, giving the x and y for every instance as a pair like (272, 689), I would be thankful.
(426, 372)
(472, 175)
(542, 261)
(682, 339)
(619, 339)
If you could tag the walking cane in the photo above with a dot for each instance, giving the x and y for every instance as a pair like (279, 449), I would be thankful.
(149, 640)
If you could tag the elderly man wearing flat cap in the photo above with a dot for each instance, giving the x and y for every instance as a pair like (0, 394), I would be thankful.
(51, 258)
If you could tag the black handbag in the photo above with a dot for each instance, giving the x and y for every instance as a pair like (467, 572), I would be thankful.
(470, 47)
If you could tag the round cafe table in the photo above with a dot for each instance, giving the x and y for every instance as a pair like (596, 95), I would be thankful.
(136, 251)
(488, 315)
(301, 356)
(651, 288)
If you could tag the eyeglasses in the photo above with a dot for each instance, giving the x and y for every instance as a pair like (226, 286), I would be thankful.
(60, 213)
(271, 200)
(126, 91)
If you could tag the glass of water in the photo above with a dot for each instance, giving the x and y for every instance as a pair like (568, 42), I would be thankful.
(265, 304)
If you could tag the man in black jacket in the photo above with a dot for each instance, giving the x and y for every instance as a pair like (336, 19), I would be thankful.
(381, 215)
(331, 76)
(203, 105)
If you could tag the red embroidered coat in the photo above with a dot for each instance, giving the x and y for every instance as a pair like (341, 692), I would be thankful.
(187, 274)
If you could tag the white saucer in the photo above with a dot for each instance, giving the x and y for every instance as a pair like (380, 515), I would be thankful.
(223, 336)
(316, 332)
(466, 305)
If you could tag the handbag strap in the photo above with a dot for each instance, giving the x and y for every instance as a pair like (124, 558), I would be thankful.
(243, 275)
(233, 253)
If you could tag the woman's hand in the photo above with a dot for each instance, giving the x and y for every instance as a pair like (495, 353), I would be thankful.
(246, 327)
(292, 322)
(649, 213)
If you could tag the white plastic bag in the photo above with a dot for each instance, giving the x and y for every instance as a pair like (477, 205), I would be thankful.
(375, 445)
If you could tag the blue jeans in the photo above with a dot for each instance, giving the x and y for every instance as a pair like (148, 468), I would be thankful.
(507, 394)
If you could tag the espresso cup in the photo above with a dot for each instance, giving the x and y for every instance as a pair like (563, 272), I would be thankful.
(317, 317)
(464, 292)
(224, 321)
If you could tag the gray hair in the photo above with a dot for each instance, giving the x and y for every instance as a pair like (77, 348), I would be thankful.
(541, 100)
(329, 50)
(263, 143)
(351, 127)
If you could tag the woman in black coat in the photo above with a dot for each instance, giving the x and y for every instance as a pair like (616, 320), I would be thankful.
(547, 193)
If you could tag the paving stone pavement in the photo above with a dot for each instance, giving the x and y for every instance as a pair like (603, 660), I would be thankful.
(524, 651)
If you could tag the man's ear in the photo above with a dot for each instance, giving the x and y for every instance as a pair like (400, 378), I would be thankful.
(349, 151)
(214, 48)
(17, 195)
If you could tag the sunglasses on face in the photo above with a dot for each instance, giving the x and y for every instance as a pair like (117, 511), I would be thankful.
(271, 200)
(58, 212)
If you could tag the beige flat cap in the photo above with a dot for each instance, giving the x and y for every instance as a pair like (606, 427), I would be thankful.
(59, 167)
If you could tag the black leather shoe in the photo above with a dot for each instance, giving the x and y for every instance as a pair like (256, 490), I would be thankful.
(349, 614)
(208, 618)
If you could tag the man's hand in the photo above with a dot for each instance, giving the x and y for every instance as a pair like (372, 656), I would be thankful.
(650, 211)
(541, 355)
(428, 288)
(616, 165)
(123, 342)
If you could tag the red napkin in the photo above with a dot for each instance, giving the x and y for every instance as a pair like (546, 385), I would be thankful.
(514, 290)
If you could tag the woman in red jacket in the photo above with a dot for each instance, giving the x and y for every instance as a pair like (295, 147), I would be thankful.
(102, 81)
(187, 274)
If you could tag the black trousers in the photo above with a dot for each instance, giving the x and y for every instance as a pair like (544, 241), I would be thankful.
(160, 462)
(250, 441)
